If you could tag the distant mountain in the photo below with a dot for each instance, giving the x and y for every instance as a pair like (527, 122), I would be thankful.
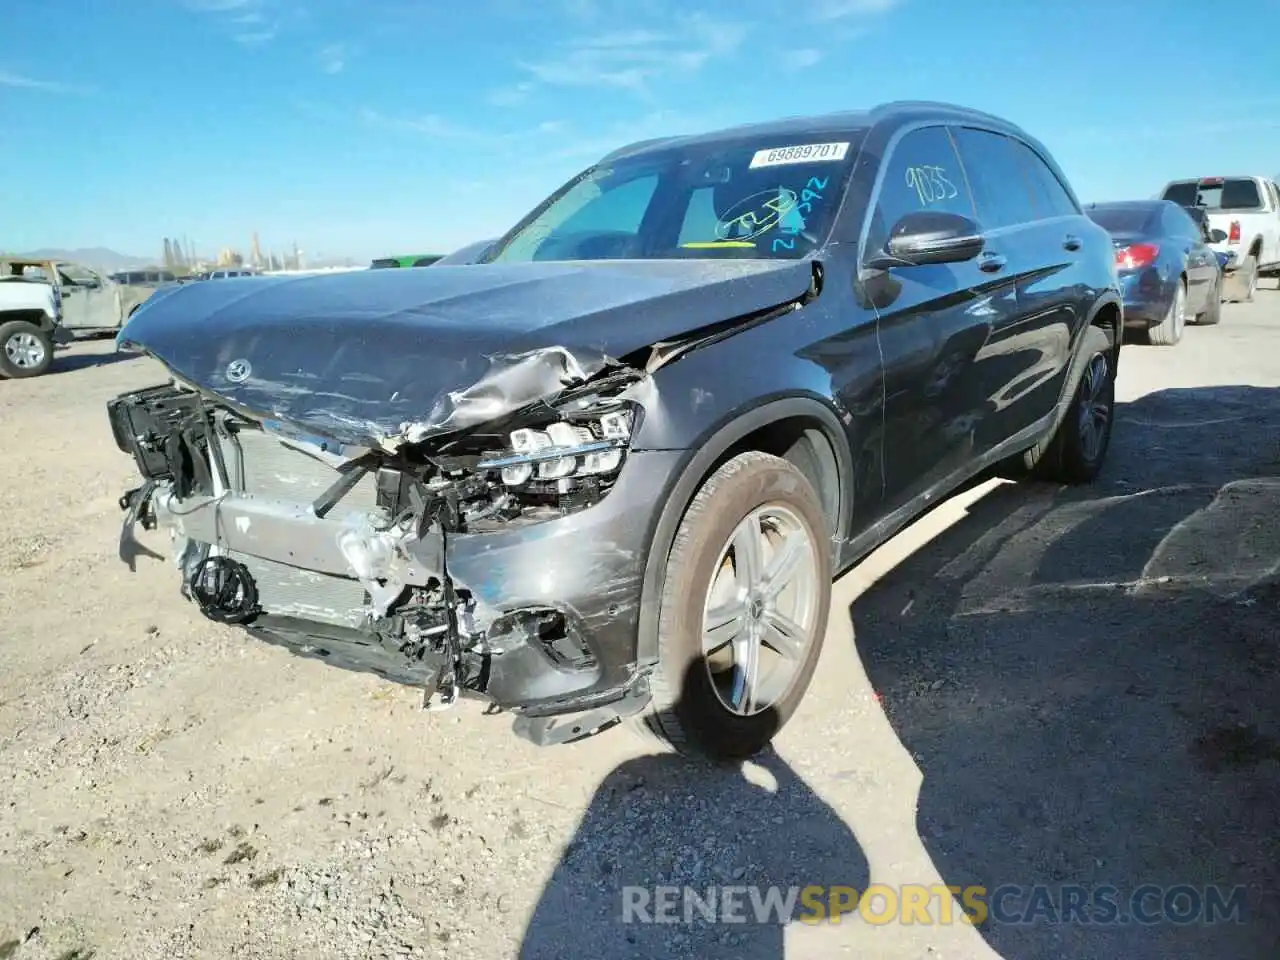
(99, 258)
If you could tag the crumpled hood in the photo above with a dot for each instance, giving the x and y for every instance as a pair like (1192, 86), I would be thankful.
(378, 357)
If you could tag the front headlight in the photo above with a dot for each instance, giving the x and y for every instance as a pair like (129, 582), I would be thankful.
(564, 451)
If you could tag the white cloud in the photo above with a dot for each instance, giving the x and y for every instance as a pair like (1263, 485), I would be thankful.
(800, 58)
(442, 128)
(631, 59)
(843, 9)
(333, 58)
(250, 23)
(23, 82)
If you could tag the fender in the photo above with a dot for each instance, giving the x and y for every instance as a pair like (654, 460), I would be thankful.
(698, 463)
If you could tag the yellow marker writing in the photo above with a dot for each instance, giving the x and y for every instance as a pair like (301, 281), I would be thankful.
(709, 244)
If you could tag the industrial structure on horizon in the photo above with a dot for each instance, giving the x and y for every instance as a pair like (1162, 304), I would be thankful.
(180, 257)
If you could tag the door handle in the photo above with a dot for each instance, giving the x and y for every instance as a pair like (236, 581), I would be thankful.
(1071, 242)
(991, 262)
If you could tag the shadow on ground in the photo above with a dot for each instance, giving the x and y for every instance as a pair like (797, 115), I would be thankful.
(662, 820)
(66, 362)
(1087, 680)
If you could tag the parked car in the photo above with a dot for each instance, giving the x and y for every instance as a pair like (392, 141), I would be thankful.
(1168, 271)
(611, 471)
(29, 314)
(407, 260)
(1247, 211)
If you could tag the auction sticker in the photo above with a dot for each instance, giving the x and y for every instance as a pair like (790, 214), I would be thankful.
(801, 153)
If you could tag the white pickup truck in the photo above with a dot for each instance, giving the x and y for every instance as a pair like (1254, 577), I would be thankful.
(48, 301)
(29, 315)
(1247, 210)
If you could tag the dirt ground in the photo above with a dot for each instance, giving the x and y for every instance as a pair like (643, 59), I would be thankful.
(1030, 686)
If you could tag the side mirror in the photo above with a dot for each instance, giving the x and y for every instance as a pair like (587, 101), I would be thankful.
(1217, 236)
(929, 236)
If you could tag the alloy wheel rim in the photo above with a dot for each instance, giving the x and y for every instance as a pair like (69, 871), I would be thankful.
(1095, 408)
(24, 350)
(760, 610)
(1179, 310)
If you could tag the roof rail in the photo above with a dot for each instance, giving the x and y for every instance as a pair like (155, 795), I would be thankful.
(940, 105)
(620, 151)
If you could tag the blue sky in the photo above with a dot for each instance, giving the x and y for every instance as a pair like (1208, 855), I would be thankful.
(363, 127)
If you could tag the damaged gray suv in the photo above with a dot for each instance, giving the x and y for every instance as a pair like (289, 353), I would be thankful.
(611, 470)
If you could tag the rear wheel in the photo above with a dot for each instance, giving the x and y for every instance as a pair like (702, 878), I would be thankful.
(1213, 311)
(25, 350)
(1168, 331)
(1246, 279)
(1076, 452)
(743, 610)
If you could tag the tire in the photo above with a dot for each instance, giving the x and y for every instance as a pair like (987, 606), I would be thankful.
(25, 350)
(690, 710)
(1248, 275)
(1168, 332)
(1213, 312)
(1063, 458)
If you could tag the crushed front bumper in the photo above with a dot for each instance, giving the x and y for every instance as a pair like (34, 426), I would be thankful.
(541, 617)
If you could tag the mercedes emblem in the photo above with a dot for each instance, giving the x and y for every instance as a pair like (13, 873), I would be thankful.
(238, 371)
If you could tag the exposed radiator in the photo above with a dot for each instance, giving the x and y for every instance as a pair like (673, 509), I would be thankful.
(290, 592)
(270, 469)
(274, 470)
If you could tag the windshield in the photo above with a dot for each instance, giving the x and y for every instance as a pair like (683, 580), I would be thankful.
(774, 200)
(1120, 219)
(1216, 194)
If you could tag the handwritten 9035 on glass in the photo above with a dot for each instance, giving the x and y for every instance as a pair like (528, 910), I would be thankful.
(931, 184)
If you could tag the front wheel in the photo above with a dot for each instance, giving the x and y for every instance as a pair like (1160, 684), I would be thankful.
(743, 610)
(25, 350)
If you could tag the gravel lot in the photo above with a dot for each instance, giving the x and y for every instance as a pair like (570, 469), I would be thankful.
(1031, 685)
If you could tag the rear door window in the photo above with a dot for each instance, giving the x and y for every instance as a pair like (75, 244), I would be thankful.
(1178, 223)
(1048, 193)
(922, 173)
(1001, 188)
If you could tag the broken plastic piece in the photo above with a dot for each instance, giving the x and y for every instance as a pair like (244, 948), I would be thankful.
(138, 504)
